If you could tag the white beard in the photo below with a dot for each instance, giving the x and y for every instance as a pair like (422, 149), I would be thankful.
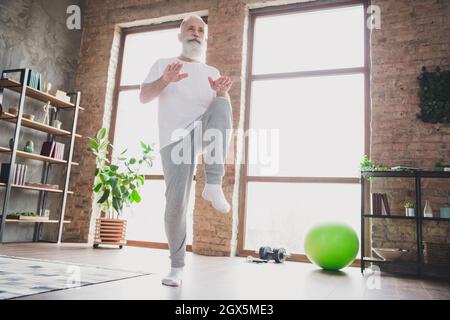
(193, 50)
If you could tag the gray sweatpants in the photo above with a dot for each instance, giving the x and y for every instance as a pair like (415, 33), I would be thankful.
(179, 161)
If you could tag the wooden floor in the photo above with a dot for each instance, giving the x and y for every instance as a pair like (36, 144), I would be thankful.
(222, 277)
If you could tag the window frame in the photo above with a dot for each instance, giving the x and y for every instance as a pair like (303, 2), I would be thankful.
(365, 70)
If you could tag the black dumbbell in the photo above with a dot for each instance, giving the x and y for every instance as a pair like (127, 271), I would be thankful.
(279, 255)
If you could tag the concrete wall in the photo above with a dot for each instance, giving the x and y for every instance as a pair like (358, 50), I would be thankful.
(33, 34)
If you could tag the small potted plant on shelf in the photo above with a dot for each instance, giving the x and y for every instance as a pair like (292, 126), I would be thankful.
(369, 165)
(56, 124)
(116, 185)
(442, 166)
(26, 216)
(410, 209)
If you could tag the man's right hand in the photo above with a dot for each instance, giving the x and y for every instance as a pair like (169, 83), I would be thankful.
(172, 73)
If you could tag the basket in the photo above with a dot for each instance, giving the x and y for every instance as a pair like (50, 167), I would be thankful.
(436, 253)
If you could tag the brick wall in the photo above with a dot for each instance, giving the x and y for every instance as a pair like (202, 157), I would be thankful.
(227, 23)
(413, 34)
(96, 75)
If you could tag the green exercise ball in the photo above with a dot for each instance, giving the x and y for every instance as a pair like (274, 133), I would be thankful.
(331, 246)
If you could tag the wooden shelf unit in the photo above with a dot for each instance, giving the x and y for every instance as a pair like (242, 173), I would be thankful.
(7, 83)
(372, 216)
(418, 219)
(37, 157)
(25, 187)
(6, 116)
(36, 94)
(36, 221)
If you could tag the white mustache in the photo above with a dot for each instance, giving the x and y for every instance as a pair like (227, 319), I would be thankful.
(194, 39)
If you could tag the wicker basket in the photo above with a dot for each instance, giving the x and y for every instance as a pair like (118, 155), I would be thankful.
(110, 232)
(436, 253)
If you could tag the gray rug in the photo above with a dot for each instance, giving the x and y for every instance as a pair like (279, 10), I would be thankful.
(24, 276)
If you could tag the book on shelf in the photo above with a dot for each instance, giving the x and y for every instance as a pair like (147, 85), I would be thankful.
(18, 178)
(24, 176)
(380, 204)
(62, 95)
(19, 174)
(384, 198)
(47, 148)
(375, 205)
(16, 174)
(62, 146)
(35, 80)
(59, 154)
(53, 149)
(33, 218)
(31, 79)
(56, 152)
(4, 174)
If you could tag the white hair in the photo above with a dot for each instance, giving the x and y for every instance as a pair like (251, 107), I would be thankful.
(194, 16)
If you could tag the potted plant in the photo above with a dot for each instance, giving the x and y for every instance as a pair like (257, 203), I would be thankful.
(116, 185)
(57, 124)
(442, 166)
(369, 165)
(410, 209)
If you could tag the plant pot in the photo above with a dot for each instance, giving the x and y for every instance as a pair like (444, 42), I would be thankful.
(56, 124)
(29, 117)
(14, 111)
(110, 232)
(410, 212)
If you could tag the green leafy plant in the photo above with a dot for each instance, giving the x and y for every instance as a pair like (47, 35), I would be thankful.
(26, 214)
(440, 164)
(368, 165)
(56, 123)
(118, 183)
(409, 205)
(434, 96)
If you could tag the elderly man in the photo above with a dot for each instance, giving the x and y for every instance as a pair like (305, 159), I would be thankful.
(193, 99)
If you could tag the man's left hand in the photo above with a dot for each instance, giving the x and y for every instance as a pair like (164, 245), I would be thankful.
(221, 85)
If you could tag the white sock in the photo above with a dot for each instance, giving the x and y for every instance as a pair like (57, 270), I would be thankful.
(174, 278)
(214, 193)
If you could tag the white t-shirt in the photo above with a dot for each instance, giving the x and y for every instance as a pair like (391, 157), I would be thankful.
(182, 102)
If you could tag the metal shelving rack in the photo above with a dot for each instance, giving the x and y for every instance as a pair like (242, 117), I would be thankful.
(27, 91)
(418, 218)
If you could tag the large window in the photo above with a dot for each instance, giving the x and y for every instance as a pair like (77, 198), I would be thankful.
(307, 93)
(135, 122)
